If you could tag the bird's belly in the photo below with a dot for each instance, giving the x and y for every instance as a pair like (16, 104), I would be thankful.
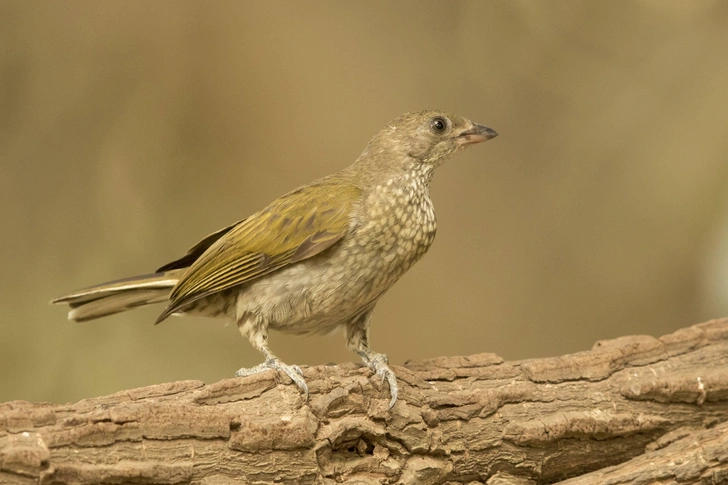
(320, 294)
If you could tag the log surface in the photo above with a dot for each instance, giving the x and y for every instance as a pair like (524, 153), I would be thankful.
(632, 410)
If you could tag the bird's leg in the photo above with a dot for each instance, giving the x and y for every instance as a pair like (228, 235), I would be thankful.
(357, 340)
(257, 333)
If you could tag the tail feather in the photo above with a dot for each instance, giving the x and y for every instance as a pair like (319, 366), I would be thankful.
(117, 303)
(119, 295)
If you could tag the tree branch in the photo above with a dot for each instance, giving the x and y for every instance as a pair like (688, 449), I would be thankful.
(631, 410)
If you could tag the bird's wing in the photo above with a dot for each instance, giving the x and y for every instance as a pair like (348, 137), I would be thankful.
(197, 250)
(295, 227)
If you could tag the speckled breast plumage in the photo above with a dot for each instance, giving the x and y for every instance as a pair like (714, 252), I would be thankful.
(391, 229)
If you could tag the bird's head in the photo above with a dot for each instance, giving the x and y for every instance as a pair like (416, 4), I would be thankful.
(426, 137)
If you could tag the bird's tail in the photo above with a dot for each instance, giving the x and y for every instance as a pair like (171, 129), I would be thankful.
(120, 295)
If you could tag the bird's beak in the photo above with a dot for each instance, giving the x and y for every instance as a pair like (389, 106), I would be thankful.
(476, 134)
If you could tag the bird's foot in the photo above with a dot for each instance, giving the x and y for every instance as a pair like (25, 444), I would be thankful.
(292, 371)
(379, 364)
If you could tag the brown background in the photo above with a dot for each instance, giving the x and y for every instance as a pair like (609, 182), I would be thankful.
(129, 130)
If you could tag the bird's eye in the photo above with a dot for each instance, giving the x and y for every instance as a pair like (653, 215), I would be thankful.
(438, 124)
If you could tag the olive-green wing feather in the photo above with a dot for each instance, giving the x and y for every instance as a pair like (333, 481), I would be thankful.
(295, 227)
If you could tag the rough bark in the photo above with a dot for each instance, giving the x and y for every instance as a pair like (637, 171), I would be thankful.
(631, 410)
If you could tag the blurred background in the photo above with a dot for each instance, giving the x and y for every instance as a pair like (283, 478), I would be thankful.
(130, 130)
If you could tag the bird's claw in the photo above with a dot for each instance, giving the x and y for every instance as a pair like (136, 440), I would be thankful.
(379, 364)
(292, 371)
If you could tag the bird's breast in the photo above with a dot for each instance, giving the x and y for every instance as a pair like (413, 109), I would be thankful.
(397, 225)
(392, 229)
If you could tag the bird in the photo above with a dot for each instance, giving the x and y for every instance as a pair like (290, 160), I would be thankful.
(315, 260)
